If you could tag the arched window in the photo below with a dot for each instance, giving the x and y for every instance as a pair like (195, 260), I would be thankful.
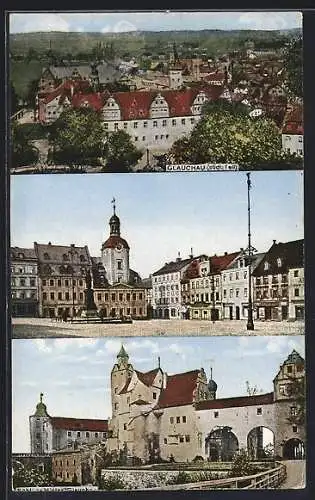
(46, 256)
(279, 262)
(65, 257)
(82, 258)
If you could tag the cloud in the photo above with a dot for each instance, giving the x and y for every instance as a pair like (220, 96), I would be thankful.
(124, 26)
(269, 20)
(25, 23)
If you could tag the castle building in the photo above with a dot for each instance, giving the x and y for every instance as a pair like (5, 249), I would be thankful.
(49, 433)
(24, 282)
(158, 416)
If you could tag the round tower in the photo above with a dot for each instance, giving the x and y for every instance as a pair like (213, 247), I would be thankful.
(115, 253)
(38, 431)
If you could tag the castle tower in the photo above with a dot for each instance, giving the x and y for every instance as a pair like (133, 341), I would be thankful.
(121, 374)
(39, 436)
(115, 253)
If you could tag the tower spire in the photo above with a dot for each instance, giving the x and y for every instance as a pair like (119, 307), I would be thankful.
(114, 205)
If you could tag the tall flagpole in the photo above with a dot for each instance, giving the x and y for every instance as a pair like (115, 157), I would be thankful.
(250, 322)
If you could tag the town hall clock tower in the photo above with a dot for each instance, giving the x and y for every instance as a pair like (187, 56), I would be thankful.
(115, 253)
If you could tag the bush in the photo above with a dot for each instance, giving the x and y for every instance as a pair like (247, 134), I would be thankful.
(112, 483)
(241, 465)
(198, 458)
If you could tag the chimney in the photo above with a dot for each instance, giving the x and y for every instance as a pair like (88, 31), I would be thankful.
(191, 256)
(159, 362)
(274, 242)
(225, 253)
(72, 245)
(242, 249)
(178, 257)
(49, 242)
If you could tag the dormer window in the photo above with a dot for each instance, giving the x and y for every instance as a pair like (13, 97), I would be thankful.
(279, 262)
(266, 266)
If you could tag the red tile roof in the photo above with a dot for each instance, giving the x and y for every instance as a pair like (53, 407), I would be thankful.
(179, 389)
(220, 262)
(148, 377)
(293, 121)
(260, 399)
(94, 100)
(136, 105)
(113, 241)
(85, 424)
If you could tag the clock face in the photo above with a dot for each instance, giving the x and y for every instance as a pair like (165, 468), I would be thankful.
(118, 247)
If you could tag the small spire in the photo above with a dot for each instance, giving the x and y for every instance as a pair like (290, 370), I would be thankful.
(159, 362)
(114, 205)
(211, 372)
(41, 397)
(122, 353)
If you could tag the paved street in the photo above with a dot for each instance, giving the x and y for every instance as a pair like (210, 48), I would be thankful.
(295, 474)
(42, 327)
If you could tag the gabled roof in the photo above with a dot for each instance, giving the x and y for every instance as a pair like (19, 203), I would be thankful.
(294, 358)
(291, 254)
(85, 424)
(220, 262)
(237, 402)
(81, 255)
(94, 100)
(175, 266)
(147, 378)
(136, 105)
(179, 389)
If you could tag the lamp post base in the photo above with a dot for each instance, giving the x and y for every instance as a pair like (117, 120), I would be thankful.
(250, 325)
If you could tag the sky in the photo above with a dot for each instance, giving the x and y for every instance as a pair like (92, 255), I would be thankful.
(74, 374)
(118, 22)
(161, 214)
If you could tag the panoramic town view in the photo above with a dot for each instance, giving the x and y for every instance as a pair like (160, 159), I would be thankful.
(159, 415)
(157, 321)
(144, 92)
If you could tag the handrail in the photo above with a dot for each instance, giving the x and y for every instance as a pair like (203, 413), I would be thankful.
(270, 478)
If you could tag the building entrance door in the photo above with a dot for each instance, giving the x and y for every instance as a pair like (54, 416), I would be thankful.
(237, 312)
(267, 312)
(231, 312)
(293, 449)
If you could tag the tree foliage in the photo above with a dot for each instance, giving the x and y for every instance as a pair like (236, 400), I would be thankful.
(28, 477)
(230, 136)
(294, 66)
(77, 137)
(121, 154)
(23, 153)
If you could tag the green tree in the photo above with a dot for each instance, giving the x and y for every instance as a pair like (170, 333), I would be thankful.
(23, 153)
(293, 61)
(121, 154)
(13, 99)
(77, 137)
(224, 136)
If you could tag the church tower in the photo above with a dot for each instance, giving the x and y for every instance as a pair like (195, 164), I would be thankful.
(115, 253)
(39, 437)
(175, 72)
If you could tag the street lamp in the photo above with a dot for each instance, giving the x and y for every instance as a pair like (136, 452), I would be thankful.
(249, 250)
